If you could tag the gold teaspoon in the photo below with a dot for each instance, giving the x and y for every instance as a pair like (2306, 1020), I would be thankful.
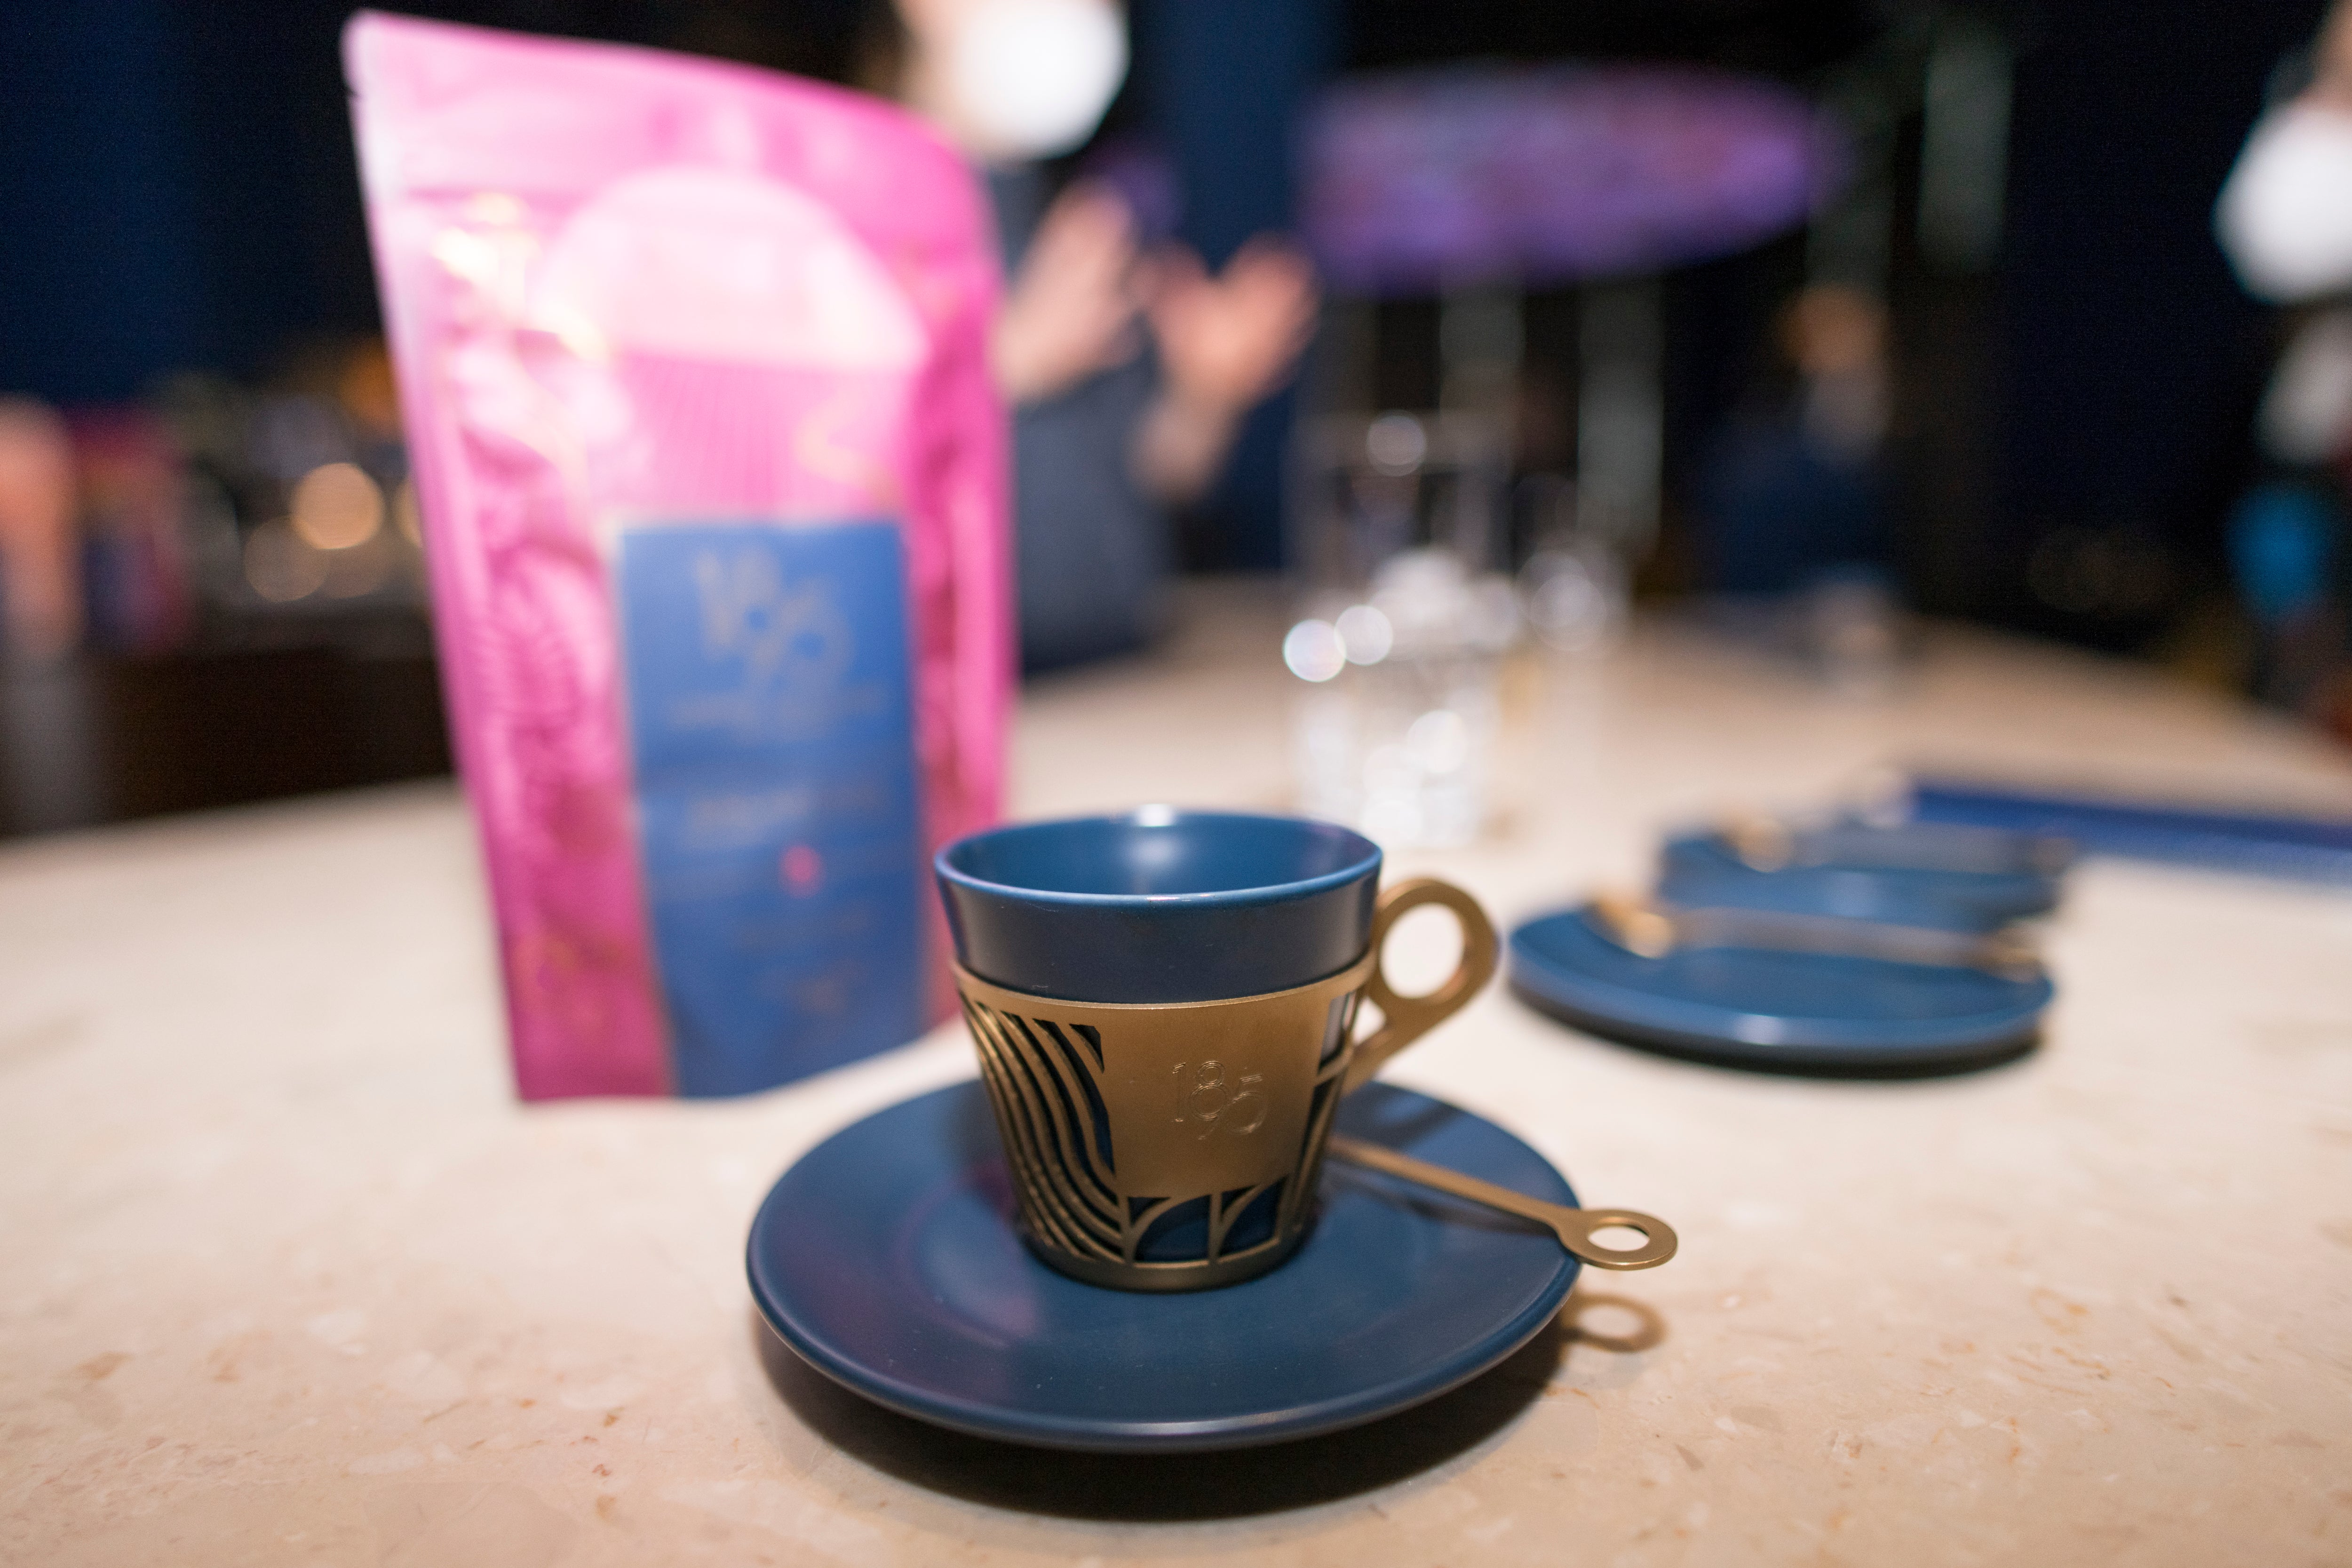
(1573, 1226)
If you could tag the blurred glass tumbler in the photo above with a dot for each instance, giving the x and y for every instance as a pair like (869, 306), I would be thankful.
(1405, 623)
(1396, 731)
(1165, 1006)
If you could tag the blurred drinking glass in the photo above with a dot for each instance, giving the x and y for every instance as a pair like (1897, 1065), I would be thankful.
(1407, 618)
(1850, 628)
(1575, 590)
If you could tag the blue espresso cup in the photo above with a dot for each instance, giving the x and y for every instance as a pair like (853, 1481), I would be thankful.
(1159, 905)
(1165, 1006)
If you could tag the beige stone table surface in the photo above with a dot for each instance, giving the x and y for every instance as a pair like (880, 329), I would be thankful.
(285, 1276)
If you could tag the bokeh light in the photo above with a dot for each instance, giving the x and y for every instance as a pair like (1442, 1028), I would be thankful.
(1366, 634)
(282, 566)
(336, 506)
(1396, 444)
(1314, 650)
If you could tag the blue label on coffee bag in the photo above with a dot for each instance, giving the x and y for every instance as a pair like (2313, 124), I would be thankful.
(771, 718)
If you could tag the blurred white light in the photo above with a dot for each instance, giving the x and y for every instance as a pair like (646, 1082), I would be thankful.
(1394, 820)
(1439, 741)
(1396, 443)
(1569, 609)
(1365, 633)
(1494, 611)
(336, 506)
(1314, 650)
(1155, 815)
(1391, 771)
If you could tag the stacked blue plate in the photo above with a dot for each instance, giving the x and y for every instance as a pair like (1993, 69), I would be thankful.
(1906, 873)
(1841, 947)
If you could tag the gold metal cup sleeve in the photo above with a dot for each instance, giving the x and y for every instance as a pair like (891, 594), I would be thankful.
(1175, 1146)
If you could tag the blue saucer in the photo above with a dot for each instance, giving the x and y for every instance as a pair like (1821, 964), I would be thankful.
(886, 1258)
(1753, 1007)
(1845, 874)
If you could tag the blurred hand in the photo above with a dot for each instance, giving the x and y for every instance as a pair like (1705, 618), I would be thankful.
(1225, 343)
(1070, 312)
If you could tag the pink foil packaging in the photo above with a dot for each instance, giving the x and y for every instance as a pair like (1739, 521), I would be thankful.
(693, 368)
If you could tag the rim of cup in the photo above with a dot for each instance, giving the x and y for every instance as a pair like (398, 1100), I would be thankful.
(1366, 859)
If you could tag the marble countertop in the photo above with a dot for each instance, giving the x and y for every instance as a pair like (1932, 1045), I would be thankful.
(289, 1276)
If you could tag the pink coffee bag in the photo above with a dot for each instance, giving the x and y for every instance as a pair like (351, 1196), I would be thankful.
(693, 368)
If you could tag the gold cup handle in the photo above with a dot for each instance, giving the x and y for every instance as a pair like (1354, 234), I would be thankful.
(1404, 1020)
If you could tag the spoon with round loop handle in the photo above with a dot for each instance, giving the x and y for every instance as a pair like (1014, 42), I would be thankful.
(1573, 1226)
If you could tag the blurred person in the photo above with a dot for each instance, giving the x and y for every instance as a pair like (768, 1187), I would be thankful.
(2284, 218)
(40, 565)
(1794, 491)
(1127, 367)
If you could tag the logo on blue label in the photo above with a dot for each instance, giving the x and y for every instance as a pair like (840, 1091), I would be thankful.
(772, 730)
